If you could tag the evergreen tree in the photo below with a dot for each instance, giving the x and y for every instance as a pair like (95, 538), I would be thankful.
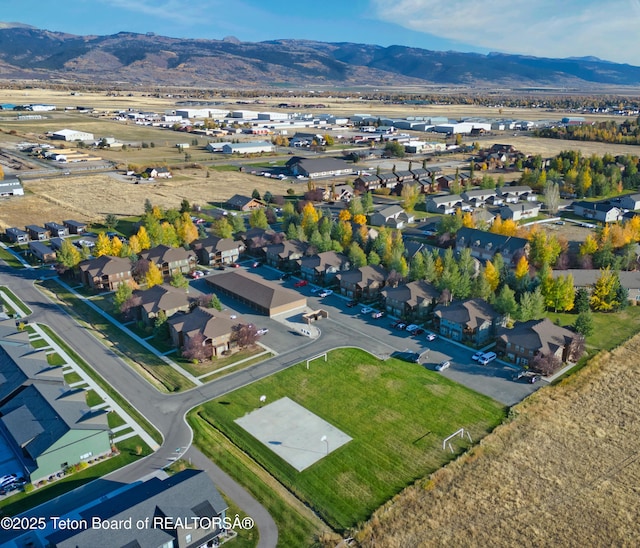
(161, 327)
(480, 287)
(367, 203)
(357, 257)
(584, 323)
(581, 301)
(417, 269)
(373, 258)
(505, 302)
(185, 206)
(258, 219)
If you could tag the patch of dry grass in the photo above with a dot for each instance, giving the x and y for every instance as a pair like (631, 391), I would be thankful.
(564, 472)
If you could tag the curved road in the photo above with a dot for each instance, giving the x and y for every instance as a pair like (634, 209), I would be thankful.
(167, 411)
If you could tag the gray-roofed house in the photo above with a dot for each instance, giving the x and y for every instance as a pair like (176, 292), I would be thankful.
(388, 180)
(520, 211)
(37, 232)
(598, 211)
(17, 235)
(216, 328)
(478, 196)
(411, 301)
(57, 230)
(323, 267)
(367, 182)
(75, 227)
(106, 272)
(183, 511)
(446, 204)
(171, 260)
(319, 167)
(364, 283)
(484, 245)
(260, 294)
(215, 251)
(392, 216)
(243, 203)
(630, 201)
(285, 255)
(513, 194)
(471, 321)
(160, 298)
(42, 252)
(526, 340)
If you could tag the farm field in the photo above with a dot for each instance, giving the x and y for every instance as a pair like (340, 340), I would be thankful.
(397, 414)
(563, 472)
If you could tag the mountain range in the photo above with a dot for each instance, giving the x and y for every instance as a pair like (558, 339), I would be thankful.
(28, 53)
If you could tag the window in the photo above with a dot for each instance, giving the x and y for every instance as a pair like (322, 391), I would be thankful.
(188, 538)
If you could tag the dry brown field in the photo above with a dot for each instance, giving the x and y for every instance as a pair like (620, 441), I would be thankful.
(564, 472)
(91, 198)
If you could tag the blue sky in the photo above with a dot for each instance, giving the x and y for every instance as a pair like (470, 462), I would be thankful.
(544, 28)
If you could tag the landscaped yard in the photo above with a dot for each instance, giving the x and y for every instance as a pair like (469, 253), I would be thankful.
(397, 414)
(212, 365)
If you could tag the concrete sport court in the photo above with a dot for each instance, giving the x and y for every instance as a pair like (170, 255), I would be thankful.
(293, 433)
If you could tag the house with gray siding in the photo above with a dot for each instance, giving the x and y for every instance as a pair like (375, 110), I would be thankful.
(473, 321)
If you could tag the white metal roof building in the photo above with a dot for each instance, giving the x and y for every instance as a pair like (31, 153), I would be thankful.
(254, 147)
(72, 135)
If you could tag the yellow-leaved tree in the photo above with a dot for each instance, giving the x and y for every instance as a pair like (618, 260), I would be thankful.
(522, 268)
(153, 276)
(103, 245)
(492, 275)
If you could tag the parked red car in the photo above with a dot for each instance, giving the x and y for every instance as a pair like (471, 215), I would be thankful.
(301, 283)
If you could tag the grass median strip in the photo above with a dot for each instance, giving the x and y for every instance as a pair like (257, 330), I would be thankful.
(153, 368)
(23, 307)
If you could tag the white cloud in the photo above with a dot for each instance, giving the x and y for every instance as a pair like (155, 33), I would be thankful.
(544, 28)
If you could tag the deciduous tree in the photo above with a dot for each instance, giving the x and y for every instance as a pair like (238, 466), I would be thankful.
(153, 276)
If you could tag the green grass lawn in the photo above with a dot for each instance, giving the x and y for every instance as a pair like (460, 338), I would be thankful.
(93, 398)
(115, 420)
(22, 501)
(243, 365)
(39, 343)
(10, 258)
(222, 168)
(72, 377)
(155, 370)
(397, 414)
(211, 366)
(55, 359)
(610, 330)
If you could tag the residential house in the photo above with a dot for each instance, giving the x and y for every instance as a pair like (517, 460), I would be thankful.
(630, 201)
(404, 176)
(57, 230)
(256, 240)
(16, 235)
(484, 245)
(341, 193)
(364, 283)
(215, 251)
(75, 227)
(285, 255)
(160, 298)
(366, 182)
(216, 327)
(318, 167)
(388, 180)
(171, 260)
(411, 301)
(105, 272)
(520, 211)
(392, 216)
(446, 204)
(604, 212)
(56, 243)
(513, 194)
(323, 267)
(243, 203)
(471, 321)
(37, 232)
(483, 217)
(42, 252)
(586, 278)
(184, 510)
(526, 340)
(158, 173)
(262, 295)
(478, 197)
(419, 173)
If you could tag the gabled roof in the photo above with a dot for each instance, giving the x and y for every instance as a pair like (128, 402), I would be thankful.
(166, 254)
(538, 335)
(185, 496)
(446, 199)
(106, 265)
(288, 248)
(471, 313)
(238, 201)
(210, 322)
(472, 237)
(596, 206)
(523, 189)
(521, 206)
(364, 276)
(319, 165)
(390, 211)
(324, 260)
(213, 243)
(162, 297)
(413, 293)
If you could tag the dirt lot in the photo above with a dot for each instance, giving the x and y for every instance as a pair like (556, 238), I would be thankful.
(564, 472)
(91, 198)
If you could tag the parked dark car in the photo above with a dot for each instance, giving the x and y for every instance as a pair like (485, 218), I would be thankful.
(351, 303)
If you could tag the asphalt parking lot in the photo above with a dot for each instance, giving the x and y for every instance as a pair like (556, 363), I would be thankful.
(494, 380)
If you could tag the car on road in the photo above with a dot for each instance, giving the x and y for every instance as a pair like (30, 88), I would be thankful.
(325, 293)
(418, 331)
(285, 276)
(534, 378)
(378, 314)
(366, 310)
(197, 274)
(301, 283)
(399, 325)
(262, 331)
(316, 290)
(431, 336)
(256, 264)
(351, 303)
(234, 265)
(477, 355)
(443, 365)
(412, 327)
(220, 267)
